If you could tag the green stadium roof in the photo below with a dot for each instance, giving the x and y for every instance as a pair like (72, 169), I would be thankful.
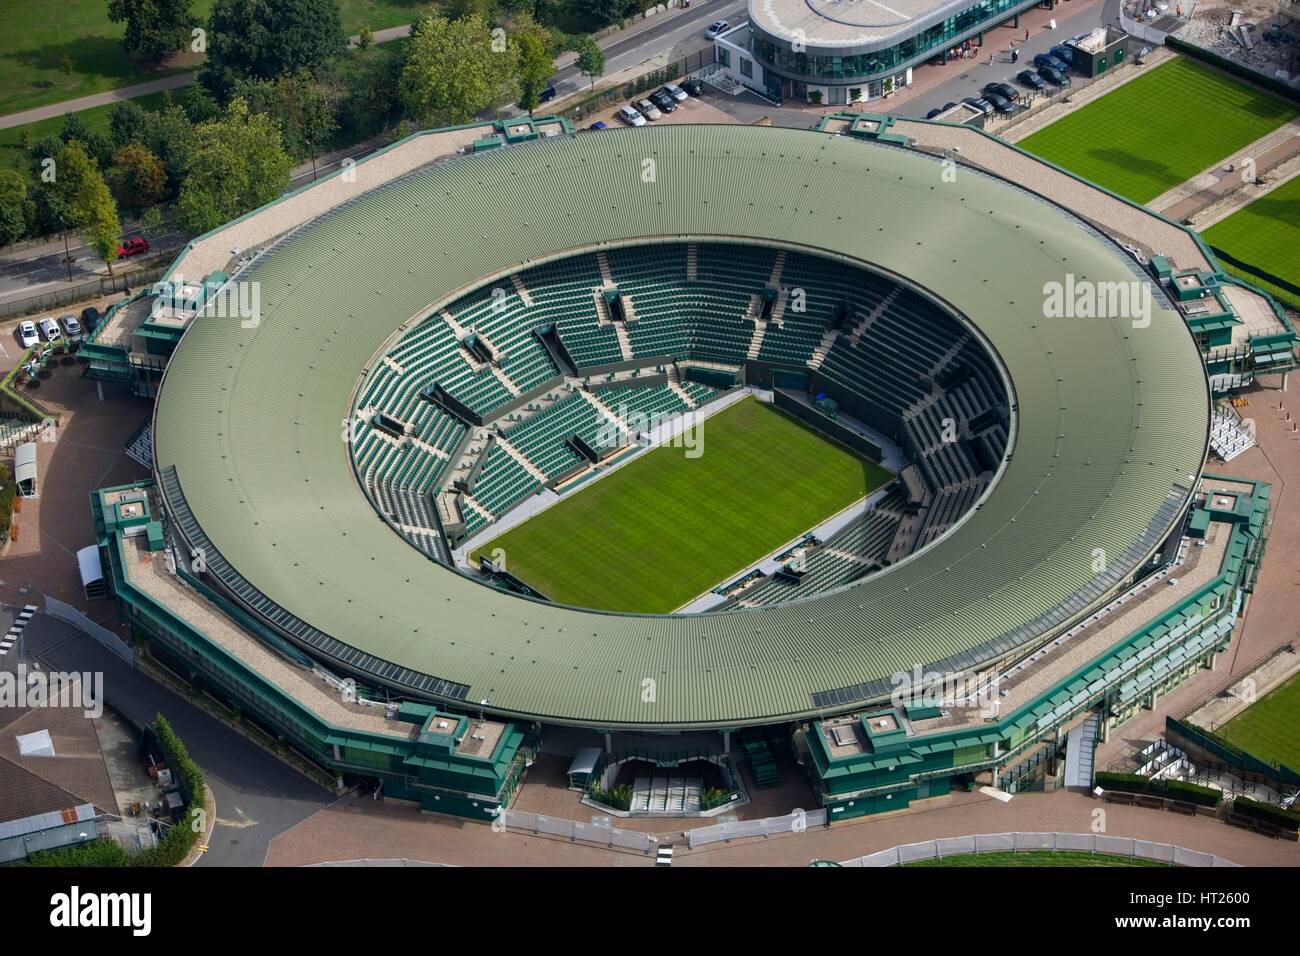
(1111, 428)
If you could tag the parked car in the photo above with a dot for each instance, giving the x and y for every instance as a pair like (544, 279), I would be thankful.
(693, 87)
(547, 94)
(27, 334)
(1046, 59)
(1064, 53)
(1004, 90)
(983, 105)
(716, 29)
(1053, 76)
(90, 318)
(132, 247)
(1031, 79)
(599, 124)
(676, 92)
(647, 109)
(71, 328)
(1000, 103)
(934, 112)
(664, 101)
(50, 329)
(630, 116)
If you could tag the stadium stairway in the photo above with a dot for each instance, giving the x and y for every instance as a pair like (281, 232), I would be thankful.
(667, 795)
(1080, 751)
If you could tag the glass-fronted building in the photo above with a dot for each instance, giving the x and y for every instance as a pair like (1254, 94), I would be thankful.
(845, 51)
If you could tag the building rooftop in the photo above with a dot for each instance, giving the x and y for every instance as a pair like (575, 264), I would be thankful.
(276, 495)
(827, 24)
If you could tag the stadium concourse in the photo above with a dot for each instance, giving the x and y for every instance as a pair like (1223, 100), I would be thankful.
(442, 343)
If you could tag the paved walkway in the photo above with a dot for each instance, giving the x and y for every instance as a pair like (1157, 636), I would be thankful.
(1269, 151)
(964, 814)
(96, 99)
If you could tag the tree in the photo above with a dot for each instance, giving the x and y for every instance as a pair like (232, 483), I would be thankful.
(152, 226)
(486, 10)
(138, 177)
(88, 204)
(264, 39)
(199, 104)
(302, 106)
(594, 14)
(535, 65)
(235, 164)
(154, 28)
(16, 208)
(454, 70)
(591, 58)
(128, 122)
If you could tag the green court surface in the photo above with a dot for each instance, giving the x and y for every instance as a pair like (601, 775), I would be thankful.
(1037, 858)
(665, 528)
(1268, 728)
(1265, 234)
(1159, 130)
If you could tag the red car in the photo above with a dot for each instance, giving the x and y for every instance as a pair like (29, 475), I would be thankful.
(132, 247)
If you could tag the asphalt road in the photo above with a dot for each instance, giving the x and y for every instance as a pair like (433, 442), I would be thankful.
(676, 33)
(257, 796)
(40, 269)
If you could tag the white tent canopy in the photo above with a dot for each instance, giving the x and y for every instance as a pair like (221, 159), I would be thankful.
(92, 571)
(25, 469)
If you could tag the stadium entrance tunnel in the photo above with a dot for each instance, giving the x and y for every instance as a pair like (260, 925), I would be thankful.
(544, 430)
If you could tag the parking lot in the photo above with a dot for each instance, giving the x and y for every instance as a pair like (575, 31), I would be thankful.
(693, 110)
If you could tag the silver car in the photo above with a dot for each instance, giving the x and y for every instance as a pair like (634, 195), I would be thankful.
(71, 327)
(648, 109)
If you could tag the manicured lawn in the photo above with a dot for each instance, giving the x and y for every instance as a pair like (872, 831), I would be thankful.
(1269, 728)
(96, 120)
(1160, 129)
(37, 35)
(1037, 858)
(665, 528)
(1265, 234)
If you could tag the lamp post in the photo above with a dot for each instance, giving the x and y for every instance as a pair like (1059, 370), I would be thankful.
(67, 253)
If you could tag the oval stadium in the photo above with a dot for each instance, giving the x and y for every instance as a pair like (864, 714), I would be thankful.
(824, 454)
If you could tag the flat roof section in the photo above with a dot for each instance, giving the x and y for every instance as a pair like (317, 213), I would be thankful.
(844, 27)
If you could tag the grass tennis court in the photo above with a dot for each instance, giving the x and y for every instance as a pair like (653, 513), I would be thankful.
(665, 528)
(1265, 234)
(1160, 129)
(1037, 858)
(1267, 728)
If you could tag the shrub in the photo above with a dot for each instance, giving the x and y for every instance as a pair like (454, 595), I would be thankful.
(1169, 789)
(7, 492)
(1266, 812)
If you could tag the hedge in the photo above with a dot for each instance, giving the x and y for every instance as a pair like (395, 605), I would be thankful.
(1169, 789)
(1272, 84)
(7, 492)
(1286, 819)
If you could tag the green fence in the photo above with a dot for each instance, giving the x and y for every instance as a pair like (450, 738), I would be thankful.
(1236, 69)
(1234, 758)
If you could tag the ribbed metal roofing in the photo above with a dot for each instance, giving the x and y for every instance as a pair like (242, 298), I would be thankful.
(1112, 423)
